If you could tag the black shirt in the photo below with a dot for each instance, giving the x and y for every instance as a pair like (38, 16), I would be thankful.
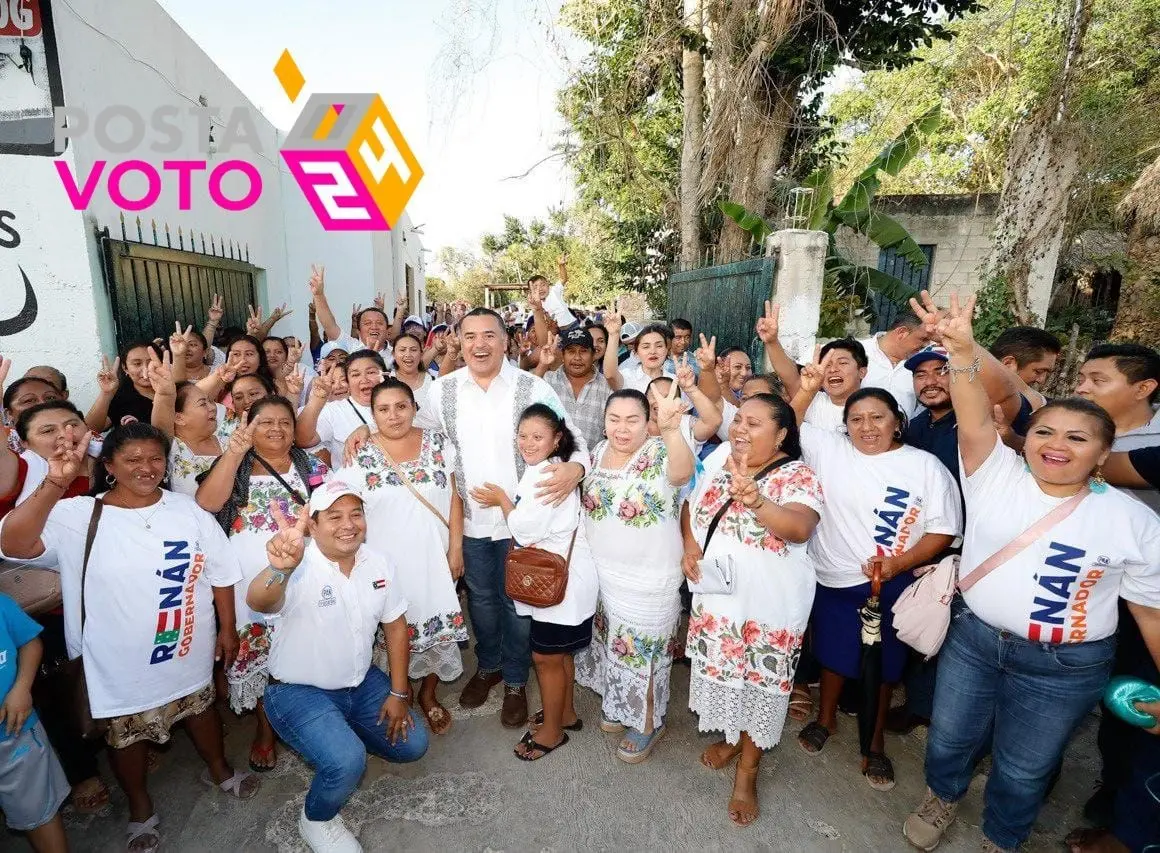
(940, 437)
(129, 405)
(1146, 461)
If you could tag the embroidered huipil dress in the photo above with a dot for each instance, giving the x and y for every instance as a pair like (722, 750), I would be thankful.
(252, 529)
(744, 647)
(416, 542)
(632, 522)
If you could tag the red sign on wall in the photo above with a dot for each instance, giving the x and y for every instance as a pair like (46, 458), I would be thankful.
(20, 18)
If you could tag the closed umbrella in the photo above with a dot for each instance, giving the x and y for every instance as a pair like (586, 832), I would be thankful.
(871, 672)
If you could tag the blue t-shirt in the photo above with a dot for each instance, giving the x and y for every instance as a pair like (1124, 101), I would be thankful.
(16, 630)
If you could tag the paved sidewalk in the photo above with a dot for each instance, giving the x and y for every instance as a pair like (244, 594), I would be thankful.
(470, 794)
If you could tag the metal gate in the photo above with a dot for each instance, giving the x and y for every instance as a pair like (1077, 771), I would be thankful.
(153, 286)
(725, 301)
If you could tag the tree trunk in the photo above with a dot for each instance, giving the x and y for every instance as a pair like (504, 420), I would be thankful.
(1138, 314)
(693, 139)
(1043, 161)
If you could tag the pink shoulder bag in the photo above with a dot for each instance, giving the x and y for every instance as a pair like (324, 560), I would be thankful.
(922, 614)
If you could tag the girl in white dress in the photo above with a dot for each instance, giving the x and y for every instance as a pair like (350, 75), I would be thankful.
(631, 501)
(557, 632)
(424, 541)
(756, 506)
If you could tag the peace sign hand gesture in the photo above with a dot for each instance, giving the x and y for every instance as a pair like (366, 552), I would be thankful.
(216, 309)
(814, 373)
(179, 340)
(68, 459)
(742, 488)
(286, 548)
(769, 323)
(928, 313)
(242, 438)
(317, 281)
(550, 353)
(254, 321)
(706, 353)
(161, 374)
(280, 312)
(613, 323)
(294, 352)
(686, 378)
(107, 378)
(670, 407)
(295, 380)
(955, 329)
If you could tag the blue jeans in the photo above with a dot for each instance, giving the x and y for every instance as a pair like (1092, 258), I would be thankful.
(1026, 697)
(501, 635)
(333, 730)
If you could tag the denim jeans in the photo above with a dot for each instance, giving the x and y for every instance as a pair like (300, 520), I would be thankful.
(501, 636)
(1026, 697)
(333, 730)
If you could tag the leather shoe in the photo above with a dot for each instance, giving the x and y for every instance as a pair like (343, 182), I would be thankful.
(476, 690)
(515, 708)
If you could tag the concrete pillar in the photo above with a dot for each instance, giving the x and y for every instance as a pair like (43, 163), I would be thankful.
(798, 287)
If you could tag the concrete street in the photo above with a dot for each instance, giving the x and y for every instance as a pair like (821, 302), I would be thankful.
(471, 794)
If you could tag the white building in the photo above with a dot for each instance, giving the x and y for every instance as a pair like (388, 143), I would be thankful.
(90, 293)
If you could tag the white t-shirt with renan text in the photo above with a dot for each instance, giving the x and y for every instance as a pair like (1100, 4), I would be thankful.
(149, 631)
(1064, 587)
(876, 505)
(337, 420)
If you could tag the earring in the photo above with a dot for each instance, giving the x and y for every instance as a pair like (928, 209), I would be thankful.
(1097, 483)
(111, 480)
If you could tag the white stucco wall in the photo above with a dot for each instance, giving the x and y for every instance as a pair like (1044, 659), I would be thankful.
(162, 67)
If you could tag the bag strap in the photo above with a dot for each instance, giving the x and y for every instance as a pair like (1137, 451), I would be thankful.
(568, 559)
(94, 519)
(1024, 539)
(294, 494)
(729, 502)
(357, 412)
(406, 481)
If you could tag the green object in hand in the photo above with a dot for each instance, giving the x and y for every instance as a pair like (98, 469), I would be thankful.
(1123, 692)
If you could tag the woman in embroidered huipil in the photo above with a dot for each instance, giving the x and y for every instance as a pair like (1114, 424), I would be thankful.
(631, 502)
(744, 647)
(260, 474)
(425, 543)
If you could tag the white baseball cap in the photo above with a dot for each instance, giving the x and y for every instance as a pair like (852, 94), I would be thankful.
(631, 331)
(329, 492)
(329, 347)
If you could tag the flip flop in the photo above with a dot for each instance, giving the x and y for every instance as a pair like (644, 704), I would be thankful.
(813, 737)
(529, 741)
(144, 829)
(234, 785)
(264, 753)
(879, 772)
(537, 719)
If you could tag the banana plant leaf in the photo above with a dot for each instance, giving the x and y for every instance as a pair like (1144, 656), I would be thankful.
(822, 183)
(862, 279)
(749, 222)
(884, 231)
(892, 159)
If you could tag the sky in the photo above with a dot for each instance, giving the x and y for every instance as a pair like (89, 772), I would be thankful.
(471, 84)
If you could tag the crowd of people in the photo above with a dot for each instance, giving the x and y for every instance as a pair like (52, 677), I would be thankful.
(291, 525)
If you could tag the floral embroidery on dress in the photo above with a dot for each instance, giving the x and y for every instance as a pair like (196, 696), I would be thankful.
(727, 651)
(640, 506)
(429, 466)
(186, 464)
(440, 628)
(794, 483)
(638, 650)
(596, 498)
(265, 494)
(253, 645)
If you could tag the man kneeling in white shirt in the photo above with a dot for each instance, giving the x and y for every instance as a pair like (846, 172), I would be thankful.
(326, 594)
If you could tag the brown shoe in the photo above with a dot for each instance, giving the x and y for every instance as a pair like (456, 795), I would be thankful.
(476, 690)
(515, 708)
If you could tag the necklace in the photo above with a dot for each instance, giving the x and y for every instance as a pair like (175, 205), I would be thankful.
(147, 518)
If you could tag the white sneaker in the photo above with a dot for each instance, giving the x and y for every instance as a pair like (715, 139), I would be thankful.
(327, 836)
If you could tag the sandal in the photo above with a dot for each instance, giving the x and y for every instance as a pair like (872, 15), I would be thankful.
(744, 812)
(90, 796)
(801, 703)
(720, 755)
(813, 737)
(538, 720)
(611, 726)
(878, 770)
(265, 754)
(637, 746)
(139, 831)
(241, 786)
(438, 720)
(528, 741)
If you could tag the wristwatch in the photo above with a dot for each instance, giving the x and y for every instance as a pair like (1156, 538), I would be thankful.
(276, 576)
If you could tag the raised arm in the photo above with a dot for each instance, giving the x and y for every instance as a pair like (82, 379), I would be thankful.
(284, 551)
(325, 316)
(613, 324)
(810, 382)
(541, 326)
(306, 429)
(108, 379)
(164, 386)
(276, 315)
(709, 416)
(562, 268)
(213, 319)
(682, 463)
(976, 430)
(401, 306)
(23, 526)
(706, 356)
(783, 365)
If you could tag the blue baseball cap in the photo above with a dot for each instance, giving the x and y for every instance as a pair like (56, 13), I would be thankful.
(925, 354)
